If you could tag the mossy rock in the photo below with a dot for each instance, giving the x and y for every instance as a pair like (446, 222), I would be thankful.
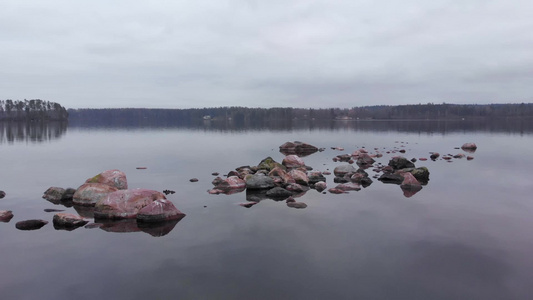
(269, 164)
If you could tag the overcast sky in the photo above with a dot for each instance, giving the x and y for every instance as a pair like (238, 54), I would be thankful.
(180, 54)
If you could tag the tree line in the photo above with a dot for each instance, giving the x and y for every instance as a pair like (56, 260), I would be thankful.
(32, 110)
(428, 111)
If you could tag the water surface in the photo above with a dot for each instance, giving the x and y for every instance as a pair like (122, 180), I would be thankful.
(465, 235)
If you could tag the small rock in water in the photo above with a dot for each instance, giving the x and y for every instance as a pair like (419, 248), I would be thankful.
(141, 168)
(6, 215)
(215, 173)
(2, 194)
(30, 224)
(296, 204)
(193, 180)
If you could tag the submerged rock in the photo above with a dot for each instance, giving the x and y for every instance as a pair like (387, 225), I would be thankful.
(30, 224)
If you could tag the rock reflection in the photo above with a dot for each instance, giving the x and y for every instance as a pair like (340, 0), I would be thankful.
(156, 229)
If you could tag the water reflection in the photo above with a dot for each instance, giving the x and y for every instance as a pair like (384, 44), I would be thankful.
(36, 132)
(124, 226)
(502, 125)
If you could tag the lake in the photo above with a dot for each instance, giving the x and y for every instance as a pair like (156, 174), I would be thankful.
(465, 235)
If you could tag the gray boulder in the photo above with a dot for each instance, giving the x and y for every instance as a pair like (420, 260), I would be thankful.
(259, 182)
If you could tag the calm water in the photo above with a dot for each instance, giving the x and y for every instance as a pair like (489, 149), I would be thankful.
(466, 235)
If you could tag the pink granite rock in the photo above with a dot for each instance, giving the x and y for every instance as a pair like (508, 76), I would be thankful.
(125, 204)
(61, 220)
(5, 216)
(293, 161)
(90, 193)
(159, 210)
(299, 177)
(232, 182)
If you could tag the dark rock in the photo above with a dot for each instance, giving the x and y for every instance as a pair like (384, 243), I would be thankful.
(434, 155)
(6, 216)
(215, 173)
(469, 157)
(69, 194)
(54, 194)
(399, 162)
(421, 174)
(30, 224)
(341, 179)
(193, 180)
(2, 194)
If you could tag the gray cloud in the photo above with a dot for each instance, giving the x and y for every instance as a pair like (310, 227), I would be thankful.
(256, 53)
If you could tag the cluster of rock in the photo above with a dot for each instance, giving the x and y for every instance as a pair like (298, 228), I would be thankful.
(106, 198)
(273, 180)
(109, 194)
